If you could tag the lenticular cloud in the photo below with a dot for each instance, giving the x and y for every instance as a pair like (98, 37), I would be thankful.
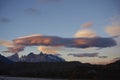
(66, 42)
(37, 40)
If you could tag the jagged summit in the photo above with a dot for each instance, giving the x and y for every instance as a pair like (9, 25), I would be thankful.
(41, 53)
(31, 57)
(14, 57)
(31, 54)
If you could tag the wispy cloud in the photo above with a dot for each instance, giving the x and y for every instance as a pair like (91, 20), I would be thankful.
(11, 46)
(4, 20)
(85, 34)
(114, 28)
(87, 55)
(102, 56)
(33, 35)
(48, 49)
(32, 11)
(116, 59)
(15, 49)
(87, 25)
(6, 43)
(48, 1)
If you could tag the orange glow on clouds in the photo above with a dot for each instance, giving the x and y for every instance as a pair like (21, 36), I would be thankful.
(48, 49)
(85, 34)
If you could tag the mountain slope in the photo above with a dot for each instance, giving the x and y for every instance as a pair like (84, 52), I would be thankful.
(115, 64)
(14, 57)
(4, 60)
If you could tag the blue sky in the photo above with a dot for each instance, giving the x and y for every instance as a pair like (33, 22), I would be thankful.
(57, 18)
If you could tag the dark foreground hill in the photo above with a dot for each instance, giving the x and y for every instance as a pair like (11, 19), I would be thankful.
(61, 70)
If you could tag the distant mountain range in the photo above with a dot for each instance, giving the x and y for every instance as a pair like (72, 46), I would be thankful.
(31, 57)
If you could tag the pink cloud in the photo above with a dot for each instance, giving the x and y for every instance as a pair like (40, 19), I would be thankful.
(85, 34)
(87, 25)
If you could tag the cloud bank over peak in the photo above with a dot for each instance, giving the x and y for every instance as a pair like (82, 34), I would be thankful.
(48, 49)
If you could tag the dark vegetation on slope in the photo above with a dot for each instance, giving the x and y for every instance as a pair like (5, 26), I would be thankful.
(61, 70)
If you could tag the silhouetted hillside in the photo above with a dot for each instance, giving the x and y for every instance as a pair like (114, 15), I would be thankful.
(60, 70)
(116, 63)
(4, 60)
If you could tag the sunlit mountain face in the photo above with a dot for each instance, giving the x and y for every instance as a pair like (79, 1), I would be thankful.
(71, 30)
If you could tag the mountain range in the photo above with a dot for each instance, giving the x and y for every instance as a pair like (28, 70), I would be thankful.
(31, 57)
